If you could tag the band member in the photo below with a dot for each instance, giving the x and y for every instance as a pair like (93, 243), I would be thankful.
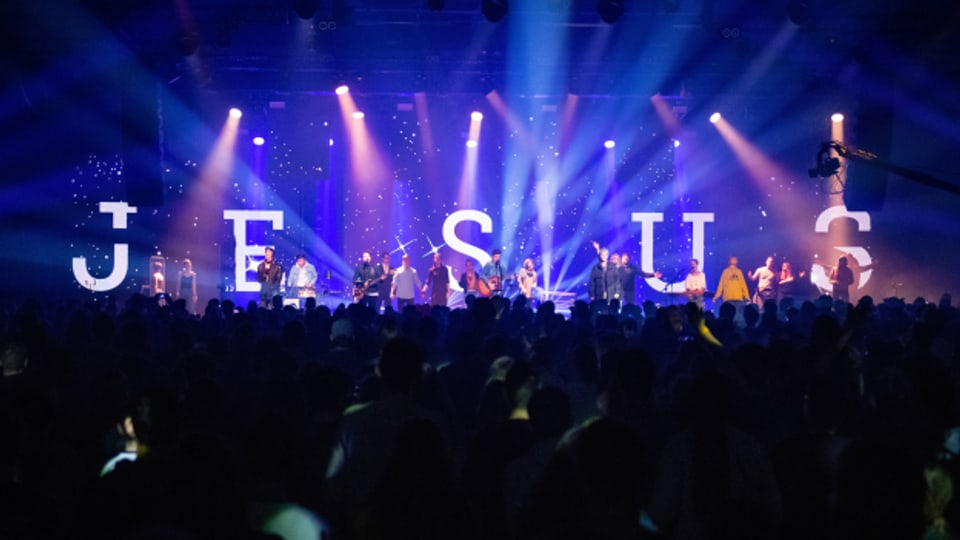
(302, 279)
(766, 278)
(493, 273)
(383, 280)
(470, 280)
(841, 277)
(787, 282)
(270, 275)
(612, 278)
(438, 280)
(732, 286)
(527, 279)
(628, 278)
(695, 283)
(597, 288)
(187, 286)
(158, 283)
(405, 284)
(363, 282)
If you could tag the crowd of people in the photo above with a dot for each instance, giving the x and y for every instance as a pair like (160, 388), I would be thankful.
(134, 419)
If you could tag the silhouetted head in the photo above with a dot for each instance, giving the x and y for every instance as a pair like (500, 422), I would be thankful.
(401, 365)
(550, 414)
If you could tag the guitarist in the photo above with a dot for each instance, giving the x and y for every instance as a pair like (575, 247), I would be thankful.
(363, 279)
(493, 273)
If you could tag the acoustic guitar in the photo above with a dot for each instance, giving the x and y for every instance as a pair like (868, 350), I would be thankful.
(489, 286)
(483, 289)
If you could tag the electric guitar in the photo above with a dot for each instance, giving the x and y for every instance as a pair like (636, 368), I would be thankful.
(359, 291)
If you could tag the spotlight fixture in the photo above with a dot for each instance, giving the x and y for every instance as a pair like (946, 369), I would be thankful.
(342, 89)
(471, 143)
(609, 144)
(836, 117)
(494, 10)
(476, 116)
(235, 113)
(358, 115)
(610, 10)
(714, 118)
(258, 141)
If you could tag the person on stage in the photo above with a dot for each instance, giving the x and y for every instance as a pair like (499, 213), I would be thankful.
(494, 273)
(842, 277)
(302, 278)
(597, 288)
(612, 278)
(270, 275)
(363, 281)
(695, 284)
(438, 280)
(527, 279)
(766, 278)
(787, 282)
(158, 283)
(405, 284)
(628, 278)
(732, 287)
(469, 280)
(187, 286)
(379, 288)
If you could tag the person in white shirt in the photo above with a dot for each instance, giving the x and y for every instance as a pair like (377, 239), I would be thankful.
(406, 283)
(696, 283)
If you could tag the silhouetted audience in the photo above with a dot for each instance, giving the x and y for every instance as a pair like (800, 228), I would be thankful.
(124, 418)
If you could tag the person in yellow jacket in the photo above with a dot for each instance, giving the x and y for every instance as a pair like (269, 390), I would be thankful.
(732, 286)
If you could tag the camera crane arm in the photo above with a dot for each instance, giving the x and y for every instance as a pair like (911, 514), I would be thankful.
(828, 165)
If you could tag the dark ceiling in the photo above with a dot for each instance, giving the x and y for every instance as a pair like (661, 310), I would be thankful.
(403, 46)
